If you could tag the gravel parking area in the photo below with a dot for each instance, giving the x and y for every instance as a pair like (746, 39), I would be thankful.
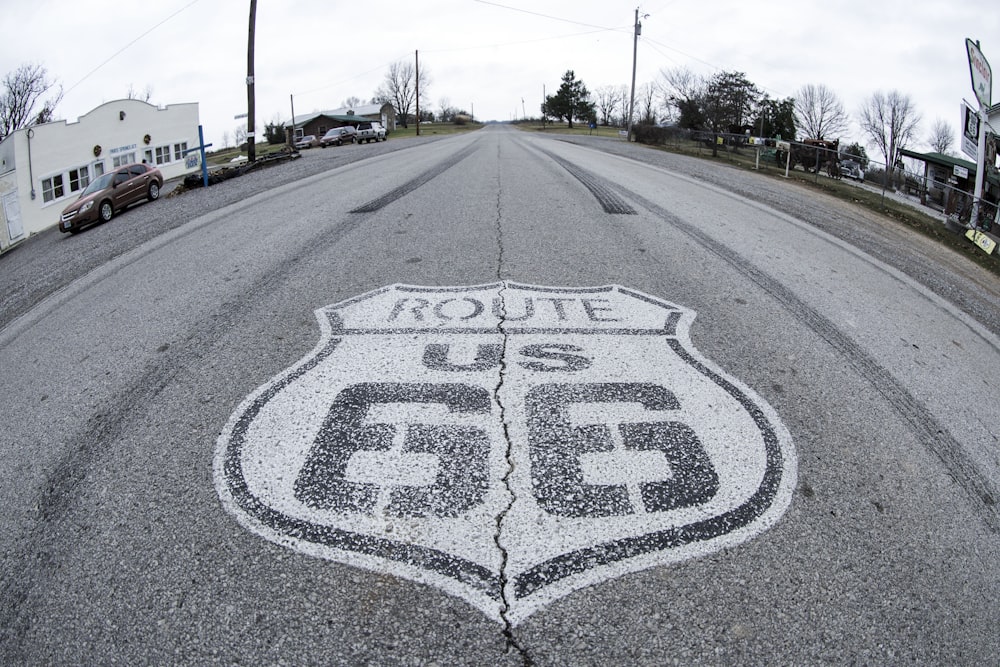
(46, 262)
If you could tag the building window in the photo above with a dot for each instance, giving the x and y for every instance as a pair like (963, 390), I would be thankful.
(147, 156)
(52, 188)
(98, 169)
(180, 149)
(322, 130)
(79, 178)
(162, 154)
(119, 160)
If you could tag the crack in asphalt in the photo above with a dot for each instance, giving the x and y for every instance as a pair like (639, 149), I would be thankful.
(508, 626)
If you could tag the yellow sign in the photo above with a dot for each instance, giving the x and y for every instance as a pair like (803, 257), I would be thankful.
(982, 240)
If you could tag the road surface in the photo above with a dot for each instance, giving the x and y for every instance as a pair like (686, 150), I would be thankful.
(501, 399)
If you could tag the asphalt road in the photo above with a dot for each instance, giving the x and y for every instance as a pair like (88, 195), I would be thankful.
(498, 399)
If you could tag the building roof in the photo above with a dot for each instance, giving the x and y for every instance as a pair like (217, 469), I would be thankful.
(941, 159)
(344, 114)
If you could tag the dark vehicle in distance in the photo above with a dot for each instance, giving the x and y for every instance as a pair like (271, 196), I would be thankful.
(339, 136)
(111, 193)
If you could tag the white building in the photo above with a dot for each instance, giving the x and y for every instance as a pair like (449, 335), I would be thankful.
(44, 167)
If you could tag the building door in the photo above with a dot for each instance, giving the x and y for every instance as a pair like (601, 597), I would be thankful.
(12, 211)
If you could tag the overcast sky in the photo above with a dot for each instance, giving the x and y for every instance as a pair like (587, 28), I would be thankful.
(488, 56)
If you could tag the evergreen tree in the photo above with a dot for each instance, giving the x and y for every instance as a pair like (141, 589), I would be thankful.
(571, 101)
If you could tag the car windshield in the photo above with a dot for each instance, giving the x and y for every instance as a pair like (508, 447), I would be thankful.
(100, 184)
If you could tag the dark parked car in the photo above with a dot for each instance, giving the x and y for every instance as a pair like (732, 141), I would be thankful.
(339, 136)
(110, 194)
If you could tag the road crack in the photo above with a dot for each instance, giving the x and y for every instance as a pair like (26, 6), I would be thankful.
(508, 627)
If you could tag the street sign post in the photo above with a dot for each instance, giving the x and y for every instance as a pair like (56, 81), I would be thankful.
(982, 75)
(982, 85)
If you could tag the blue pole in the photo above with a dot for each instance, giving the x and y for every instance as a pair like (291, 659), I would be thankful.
(204, 164)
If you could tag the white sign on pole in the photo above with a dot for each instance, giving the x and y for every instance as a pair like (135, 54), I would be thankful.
(970, 130)
(982, 75)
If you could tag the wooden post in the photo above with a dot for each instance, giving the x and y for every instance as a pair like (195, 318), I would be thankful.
(251, 118)
(416, 55)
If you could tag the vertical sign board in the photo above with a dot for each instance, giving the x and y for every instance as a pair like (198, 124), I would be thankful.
(506, 443)
(970, 130)
(982, 75)
(982, 84)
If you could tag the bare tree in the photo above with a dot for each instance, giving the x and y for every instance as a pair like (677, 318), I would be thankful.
(240, 135)
(623, 100)
(606, 99)
(351, 102)
(144, 96)
(942, 136)
(680, 82)
(685, 91)
(23, 90)
(891, 121)
(646, 102)
(819, 114)
(399, 88)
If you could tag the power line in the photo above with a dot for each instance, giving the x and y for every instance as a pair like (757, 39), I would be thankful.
(119, 51)
(546, 16)
(522, 41)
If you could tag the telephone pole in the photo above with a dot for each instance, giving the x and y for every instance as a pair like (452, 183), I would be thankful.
(635, 51)
(251, 119)
(416, 60)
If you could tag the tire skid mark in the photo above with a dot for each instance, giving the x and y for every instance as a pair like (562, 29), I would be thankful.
(932, 434)
(422, 179)
(38, 549)
(605, 193)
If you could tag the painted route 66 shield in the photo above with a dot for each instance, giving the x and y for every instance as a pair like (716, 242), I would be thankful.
(507, 443)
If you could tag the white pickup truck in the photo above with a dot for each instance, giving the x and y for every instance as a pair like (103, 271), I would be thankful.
(371, 131)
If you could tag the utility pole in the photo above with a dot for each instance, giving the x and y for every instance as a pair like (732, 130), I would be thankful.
(635, 51)
(251, 119)
(544, 99)
(416, 56)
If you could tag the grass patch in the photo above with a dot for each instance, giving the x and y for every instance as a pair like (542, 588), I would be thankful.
(428, 129)
(578, 128)
(226, 154)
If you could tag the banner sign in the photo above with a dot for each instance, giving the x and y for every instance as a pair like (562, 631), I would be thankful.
(982, 76)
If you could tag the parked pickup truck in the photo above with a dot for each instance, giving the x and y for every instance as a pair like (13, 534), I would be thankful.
(371, 131)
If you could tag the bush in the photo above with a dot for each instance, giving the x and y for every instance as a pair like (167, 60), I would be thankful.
(652, 134)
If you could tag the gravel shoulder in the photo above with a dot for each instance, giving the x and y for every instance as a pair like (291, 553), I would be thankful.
(50, 260)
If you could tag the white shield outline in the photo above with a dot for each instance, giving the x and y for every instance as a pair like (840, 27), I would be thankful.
(514, 594)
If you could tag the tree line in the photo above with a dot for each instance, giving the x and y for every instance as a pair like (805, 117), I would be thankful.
(729, 103)
(726, 102)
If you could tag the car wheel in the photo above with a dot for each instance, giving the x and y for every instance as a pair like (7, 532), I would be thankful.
(154, 191)
(107, 211)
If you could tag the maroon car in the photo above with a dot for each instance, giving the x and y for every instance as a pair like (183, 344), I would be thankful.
(110, 194)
